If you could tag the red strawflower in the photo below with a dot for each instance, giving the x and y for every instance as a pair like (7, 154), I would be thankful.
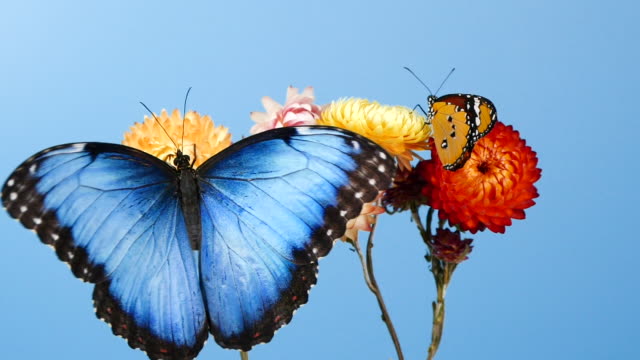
(406, 190)
(494, 186)
(447, 245)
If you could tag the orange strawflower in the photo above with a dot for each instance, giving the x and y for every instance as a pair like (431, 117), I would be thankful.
(494, 186)
(200, 133)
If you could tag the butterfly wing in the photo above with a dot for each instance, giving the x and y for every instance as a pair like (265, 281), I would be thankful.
(272, 204)
(111, 212)
(458, 122)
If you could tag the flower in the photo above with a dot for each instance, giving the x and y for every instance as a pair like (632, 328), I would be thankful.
(406, 190)
(197, 136)
(397, 129)
(364, 221)
(447, 245)
(298, 109)
(494, 186)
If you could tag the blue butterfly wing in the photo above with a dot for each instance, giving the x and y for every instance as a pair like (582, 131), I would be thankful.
(272, 204)
(112, 213)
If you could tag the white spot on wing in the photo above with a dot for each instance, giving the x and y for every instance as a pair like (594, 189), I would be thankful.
(356, 145)
(381, 168)
(37, 221)
(33, 168)
(13, 196)
(476, 108)
(55, 237)
(23, 208)
(382, 155)
(359, 195)
(11, 182)
(372, 182)
(303, 130)
(329, 232)
(343, 213)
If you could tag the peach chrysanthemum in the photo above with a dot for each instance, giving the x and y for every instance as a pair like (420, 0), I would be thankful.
(200, 133)
(494, 186)
(364, 221)
(397, 129)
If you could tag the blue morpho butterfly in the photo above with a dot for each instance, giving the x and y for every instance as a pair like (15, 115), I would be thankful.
(176, 253)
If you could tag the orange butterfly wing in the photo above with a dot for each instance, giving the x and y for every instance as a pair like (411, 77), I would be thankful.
(458, 121)
(487, 115)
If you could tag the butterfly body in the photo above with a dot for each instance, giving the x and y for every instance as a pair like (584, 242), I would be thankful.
(458, 122)
(229, 248)
(189, 198)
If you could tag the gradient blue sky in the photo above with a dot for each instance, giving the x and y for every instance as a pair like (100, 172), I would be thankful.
(561, 284)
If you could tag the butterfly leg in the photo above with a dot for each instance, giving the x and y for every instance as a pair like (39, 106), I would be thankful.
(418, 106)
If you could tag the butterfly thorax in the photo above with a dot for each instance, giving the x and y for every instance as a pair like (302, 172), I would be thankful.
(182, 161)
(430, 101)
(189, 194)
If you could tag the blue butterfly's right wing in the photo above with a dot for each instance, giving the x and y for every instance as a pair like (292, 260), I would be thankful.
(111, 212)
(272, 204)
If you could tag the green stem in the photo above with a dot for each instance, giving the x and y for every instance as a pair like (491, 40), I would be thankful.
(370, 280)
(442, 272)
(425, 231)
(244, 355)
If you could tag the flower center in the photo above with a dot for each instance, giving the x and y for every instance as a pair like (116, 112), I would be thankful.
(483, 167)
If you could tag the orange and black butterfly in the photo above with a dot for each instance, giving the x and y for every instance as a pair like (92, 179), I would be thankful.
(457, 121)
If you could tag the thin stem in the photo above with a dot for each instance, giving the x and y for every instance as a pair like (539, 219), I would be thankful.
(415, 215)
(244, 355)
(429, 219)
(370, 280)
(442, 272)
(365, 272)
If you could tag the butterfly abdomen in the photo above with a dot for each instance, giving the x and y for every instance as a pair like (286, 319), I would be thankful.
(189, 193)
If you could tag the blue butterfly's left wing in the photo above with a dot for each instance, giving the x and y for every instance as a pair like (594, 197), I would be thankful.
(112, 213)
(272, 204)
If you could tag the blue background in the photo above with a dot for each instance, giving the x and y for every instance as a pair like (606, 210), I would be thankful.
(560, 285)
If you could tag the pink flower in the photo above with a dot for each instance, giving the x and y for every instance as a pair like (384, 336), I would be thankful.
(298, 109)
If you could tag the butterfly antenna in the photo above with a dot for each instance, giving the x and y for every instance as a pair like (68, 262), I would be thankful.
(184, 117)
(445, 79)
(158, 121)
(421, 82)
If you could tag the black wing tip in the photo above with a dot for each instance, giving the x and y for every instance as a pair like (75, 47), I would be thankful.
(374, 174)
(24, 203)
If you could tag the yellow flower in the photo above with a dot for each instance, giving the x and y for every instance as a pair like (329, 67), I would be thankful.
(200, 135)
(397, 129)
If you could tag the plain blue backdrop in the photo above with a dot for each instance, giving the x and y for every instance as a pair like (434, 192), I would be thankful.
(562, 284)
